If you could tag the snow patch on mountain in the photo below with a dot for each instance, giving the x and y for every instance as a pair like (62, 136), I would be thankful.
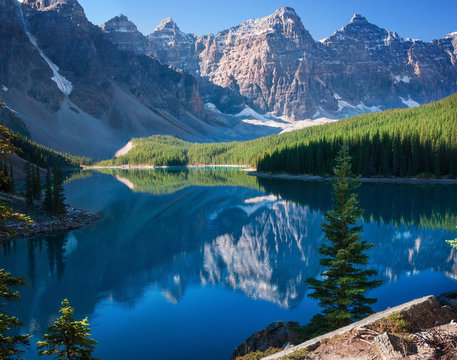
(124, 30)
(359, 108)
(247, 112)
(410, 102)
(212, 107)
(62, 83)
(405, 78)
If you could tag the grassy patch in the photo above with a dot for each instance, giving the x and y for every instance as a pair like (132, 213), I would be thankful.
(300, 354)
(257, 355)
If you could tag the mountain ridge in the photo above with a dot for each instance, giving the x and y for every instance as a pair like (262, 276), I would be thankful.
(275, 63)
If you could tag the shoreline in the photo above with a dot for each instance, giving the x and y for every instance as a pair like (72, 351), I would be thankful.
(164, 167)
(284, 176)
(43, 225)
(304, 177)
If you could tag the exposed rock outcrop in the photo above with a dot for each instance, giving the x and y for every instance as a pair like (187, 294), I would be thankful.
(274, 335)
(422, 314)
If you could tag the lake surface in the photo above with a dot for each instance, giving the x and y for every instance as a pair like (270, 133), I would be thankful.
(188, 264)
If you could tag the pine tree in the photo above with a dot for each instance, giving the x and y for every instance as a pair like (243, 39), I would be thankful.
(10, 345)
(48, 203)
(28, 185)
(67, 338)
(36, 184)
(58, 197)
(341, 292)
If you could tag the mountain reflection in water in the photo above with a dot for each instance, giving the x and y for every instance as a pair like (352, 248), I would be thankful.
(176, 230)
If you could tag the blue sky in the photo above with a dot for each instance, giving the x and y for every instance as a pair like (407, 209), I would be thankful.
(421, 19)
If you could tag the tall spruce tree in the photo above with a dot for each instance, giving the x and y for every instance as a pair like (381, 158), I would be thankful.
(10, 345)
(48, 203)
(58, 196)
(67, 338)
(28, 185)
(341, 293)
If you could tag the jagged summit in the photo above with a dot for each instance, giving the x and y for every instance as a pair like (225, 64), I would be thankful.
(121, 17)
(357, 18)
(167, 24)
(285, 11)
(48, 4)
(119, 23)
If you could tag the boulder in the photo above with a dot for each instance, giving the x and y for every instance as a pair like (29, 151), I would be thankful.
(274, 335)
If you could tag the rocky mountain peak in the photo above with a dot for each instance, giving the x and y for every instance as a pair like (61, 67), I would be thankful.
(285, 12)
(283, 23)
(48, 4)
(357, 18)
(167, 24)
(67, 8)
(119, 23)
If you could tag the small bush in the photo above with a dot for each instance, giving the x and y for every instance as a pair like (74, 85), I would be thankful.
(395, 323)
(300, 354)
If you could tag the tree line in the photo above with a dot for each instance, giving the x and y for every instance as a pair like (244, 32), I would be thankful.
(54, 197)
(381, 154)
(404, 142)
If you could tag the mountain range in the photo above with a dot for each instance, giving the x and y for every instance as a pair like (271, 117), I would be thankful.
(85, 89)
(276, 64)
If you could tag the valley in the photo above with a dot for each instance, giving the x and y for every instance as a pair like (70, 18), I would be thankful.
(194, 180)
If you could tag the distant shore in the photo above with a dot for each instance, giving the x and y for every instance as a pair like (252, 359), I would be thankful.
(152, 167)
(303, 177)
(392, 180)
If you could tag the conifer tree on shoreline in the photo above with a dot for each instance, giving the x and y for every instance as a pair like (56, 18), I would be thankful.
(341, 292)
(58, 196)
(28, 185)
(47, 202)
(67, 338)
(10, 345)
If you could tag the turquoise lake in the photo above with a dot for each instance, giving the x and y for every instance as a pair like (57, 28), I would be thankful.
(186, 264)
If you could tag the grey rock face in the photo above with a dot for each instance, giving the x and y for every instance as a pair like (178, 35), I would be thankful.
(278, 67)
(274, 335)
(77, 92)
(125, 34)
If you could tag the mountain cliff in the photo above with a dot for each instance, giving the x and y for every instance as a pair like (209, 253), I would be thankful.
(276, 64)
(78, 92)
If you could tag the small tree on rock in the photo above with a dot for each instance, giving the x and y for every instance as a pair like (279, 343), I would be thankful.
(10, 345)
(67, 338)
(341, 292)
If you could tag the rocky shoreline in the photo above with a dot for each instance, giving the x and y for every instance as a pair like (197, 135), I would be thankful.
(42, 222)
(73, 219)
(429, 332)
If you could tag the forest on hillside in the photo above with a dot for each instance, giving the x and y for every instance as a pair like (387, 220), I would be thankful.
(403, 142)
